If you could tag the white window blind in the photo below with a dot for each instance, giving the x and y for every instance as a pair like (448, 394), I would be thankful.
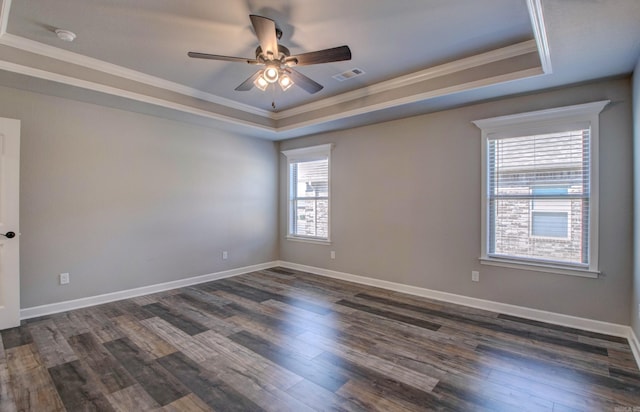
(308, 187)
(538, 196)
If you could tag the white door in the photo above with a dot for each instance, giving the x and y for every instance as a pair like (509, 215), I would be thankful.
(9, 217)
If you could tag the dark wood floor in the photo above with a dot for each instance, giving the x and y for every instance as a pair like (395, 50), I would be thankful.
(280, 340)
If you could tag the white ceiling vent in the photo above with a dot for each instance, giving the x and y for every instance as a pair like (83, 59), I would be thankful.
(349, 74)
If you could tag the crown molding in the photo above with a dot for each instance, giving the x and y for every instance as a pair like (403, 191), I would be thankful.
(416, 77)
(42, 49)
(416, 98)
(98, 87)
(4, 15)
(540, 34)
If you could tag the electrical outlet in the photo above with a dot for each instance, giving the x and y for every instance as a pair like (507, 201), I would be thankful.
(333, 254)
(475, 276)
(225, 255)
(64, 278)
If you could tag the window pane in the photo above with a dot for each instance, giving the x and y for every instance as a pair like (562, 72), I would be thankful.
(311, 179)
(312, 218)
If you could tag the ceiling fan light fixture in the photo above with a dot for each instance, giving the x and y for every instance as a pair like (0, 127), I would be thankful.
(260, 82)
(285, 82)
(270, 74)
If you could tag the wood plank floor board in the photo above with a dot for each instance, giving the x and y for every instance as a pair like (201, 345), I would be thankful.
(326, 376)
(155, 380)
(317, 296)
(293, 299)
(258, 390)
(7, 403)
(363, 395)
(206, 386)
(140, 335)
(76, 388)
(52, 345)
(546, 326)
(199, 316)
(31, 384)
(524, 333)
(321, 399)
(132, 398)
(16, 337)
(382, 385)
(190, 403)
(102, 327)
(571, 380)
(100, 362)
(285, 340)
(176, 319)
(368, 360)
(194, 349)
(266, 372)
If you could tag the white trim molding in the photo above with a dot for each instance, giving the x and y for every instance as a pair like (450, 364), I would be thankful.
(42, 49)
(5, 7)
(591, 325)
(635, 345)
(540, 34)
(42, 310)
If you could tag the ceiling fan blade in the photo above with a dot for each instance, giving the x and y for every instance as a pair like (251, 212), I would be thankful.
(266, 31)
(335, 54)
(303, 81)
(247, 85)
(197, 55)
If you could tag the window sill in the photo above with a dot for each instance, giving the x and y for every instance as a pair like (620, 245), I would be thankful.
(309, 240)
(539, 267)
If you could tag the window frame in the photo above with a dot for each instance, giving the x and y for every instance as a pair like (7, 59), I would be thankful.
(298, 156)
(540, 122)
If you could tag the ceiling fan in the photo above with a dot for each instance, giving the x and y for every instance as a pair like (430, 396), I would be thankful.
(277, 60)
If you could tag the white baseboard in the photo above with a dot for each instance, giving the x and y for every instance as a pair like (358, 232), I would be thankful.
(635, 345)
(33, 312)
(520, 311)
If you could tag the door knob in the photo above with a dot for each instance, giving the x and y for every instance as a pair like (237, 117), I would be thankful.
(9, 235)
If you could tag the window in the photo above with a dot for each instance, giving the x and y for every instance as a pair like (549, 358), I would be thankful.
(540, 190)
(308, 193)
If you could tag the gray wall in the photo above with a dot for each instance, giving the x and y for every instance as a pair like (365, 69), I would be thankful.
(406, 207)
(121, 200)
(635, 300)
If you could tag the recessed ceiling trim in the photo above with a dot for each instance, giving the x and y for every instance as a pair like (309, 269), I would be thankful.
(539, 45)
(536, 71)
(492, 56)
(31, 46)
(540, 33)
(89, 85)
(4, 15)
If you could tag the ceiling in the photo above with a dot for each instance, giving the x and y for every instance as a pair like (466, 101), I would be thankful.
(425, 55)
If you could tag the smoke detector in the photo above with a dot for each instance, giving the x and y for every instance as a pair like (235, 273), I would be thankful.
(65, 35)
